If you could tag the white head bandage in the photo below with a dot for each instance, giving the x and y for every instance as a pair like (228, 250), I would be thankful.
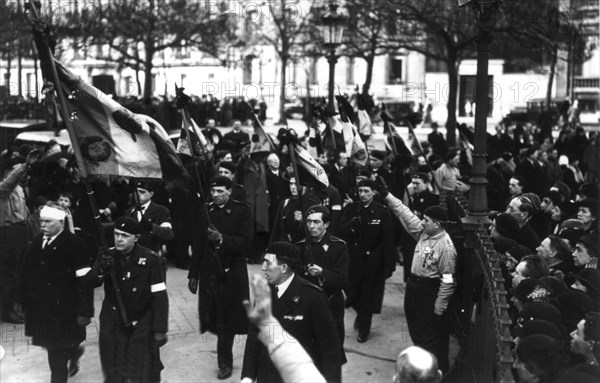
(53, 213)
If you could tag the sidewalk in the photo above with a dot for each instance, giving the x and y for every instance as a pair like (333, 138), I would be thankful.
(191, 357)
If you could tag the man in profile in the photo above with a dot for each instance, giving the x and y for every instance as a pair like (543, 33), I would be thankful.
(415, 365)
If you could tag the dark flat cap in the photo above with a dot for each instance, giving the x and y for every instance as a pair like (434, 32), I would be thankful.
(128, 225)
(221, 181)
(437, 213)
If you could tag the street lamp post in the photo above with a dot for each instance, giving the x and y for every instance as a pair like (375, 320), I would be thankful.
(478, 206)
(333, 30)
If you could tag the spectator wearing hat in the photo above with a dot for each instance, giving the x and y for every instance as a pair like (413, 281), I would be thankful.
(557, 256)
(447, 176)
(437, 141)
(563, 189)
(573, 305)
(218, 271)
(378, 166)
(536, 326)
(586, 338)
(154, 219)
(325, 259)
(131, 352)
(588, 281)
(532, 173)
(13, 236)
(302, 310)
(586, 251)
(229, 170)
(587, 213)
(540, 222)
(239, 138)
(553, 171)
(367, 228)
(432, 281)
(52, 294)
(530, 290)
(539, 356)
(504, 226)
(523, 208)
(587, 190)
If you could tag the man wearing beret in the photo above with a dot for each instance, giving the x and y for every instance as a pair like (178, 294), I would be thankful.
(52, 291)
(154, 219)
(229, 170)
(218, 271)
(367, 228)
(431, 283)
(325, 259)
(303, 311)
(131, 352)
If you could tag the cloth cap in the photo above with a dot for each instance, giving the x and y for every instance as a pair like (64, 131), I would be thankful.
(367, 183)
(422, 176)
(591, 241)
(538, 326)
(228, 165)
(128, 225)
(507, 225)
(221, 181)
(437, 213)
(531, 290)
(53, 213)
(380, 155)
(590, 278)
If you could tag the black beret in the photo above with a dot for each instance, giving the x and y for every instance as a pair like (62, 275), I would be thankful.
(228, 165)
(378, 154)
(364, 172)
(506, 225)
(437, 213)
(286, 253)
(422, 176)
(221, 181)
(146, 185)
(592, 242)
(538, 326)
(128, 225)
(367, 183)
(317, 209)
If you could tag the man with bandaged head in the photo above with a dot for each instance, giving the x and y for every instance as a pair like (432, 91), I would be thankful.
(53, 295)
(131, 352)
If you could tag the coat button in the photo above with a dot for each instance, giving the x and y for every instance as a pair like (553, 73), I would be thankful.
(134, 289)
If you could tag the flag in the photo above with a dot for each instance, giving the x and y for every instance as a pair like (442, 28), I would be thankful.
(365, 127)
(198, 141)
(310, 172)
(113, 140)
(348, 133)
(261, 141)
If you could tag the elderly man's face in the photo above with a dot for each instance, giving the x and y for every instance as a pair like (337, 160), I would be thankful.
(273, 162)
(50, 227)
(124, 241)
(581, 256)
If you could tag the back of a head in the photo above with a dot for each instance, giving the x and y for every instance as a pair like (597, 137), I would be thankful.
(416, 365)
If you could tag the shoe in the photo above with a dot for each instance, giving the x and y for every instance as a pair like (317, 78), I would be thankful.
(224, 373)
(74, 361)
(362, 338)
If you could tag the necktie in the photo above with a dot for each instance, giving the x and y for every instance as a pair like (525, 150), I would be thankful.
(276, 289)
(45, 242)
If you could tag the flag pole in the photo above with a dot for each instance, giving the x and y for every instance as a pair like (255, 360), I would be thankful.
(46, 53)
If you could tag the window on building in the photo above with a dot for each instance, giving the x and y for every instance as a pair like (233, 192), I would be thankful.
(395, 70)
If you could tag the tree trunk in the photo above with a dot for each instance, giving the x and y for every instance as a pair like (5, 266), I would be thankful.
(452, 68)
(148, 74)
(551, 78)
(137, 80)
(369, 78)
(282, 117)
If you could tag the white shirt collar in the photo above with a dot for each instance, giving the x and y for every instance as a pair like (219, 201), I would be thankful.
(145, 206)
(283, 286)
(51, 239)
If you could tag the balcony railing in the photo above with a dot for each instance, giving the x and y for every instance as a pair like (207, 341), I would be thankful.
(587, 82)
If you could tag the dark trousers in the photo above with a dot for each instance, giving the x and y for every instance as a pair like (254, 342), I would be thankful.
(425, 330)
(224, 349)
(58, 359)
(12, 245)
(364, 319)
(179, 252)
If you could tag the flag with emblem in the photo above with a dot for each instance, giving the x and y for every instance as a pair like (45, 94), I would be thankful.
(310, 172)
(191, 136)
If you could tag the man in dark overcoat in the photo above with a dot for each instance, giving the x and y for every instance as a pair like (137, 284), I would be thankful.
(325, 260)
(131, 353)
(368, 230)
(302, 310)
(56, 304)
(218, 269)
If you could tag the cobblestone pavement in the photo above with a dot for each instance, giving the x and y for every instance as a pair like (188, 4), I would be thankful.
(191, 357)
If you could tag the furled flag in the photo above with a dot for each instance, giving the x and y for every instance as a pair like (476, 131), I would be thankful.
(198, 141)
(113, 140)
(310, 171)
(365, 127)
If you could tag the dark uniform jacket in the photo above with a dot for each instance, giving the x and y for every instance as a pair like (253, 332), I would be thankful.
(331, 254)
(278, 189)
(370, 240)
(127, 354)
(53, 293)
(304, 313)
(285, 227)
(157, 215)
(240, 139)
(223, 283)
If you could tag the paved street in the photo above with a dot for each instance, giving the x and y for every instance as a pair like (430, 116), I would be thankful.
(191, 357)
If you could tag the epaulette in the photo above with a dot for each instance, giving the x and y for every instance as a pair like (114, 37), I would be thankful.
(239, 202)
(150, 252)
(336, 239)
(303, 240)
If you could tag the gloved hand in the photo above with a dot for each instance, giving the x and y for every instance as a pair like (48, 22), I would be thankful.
(160, 339)
(107, 262)
(193, 285)
(146, 225)
(213, 234)
(381, 187)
